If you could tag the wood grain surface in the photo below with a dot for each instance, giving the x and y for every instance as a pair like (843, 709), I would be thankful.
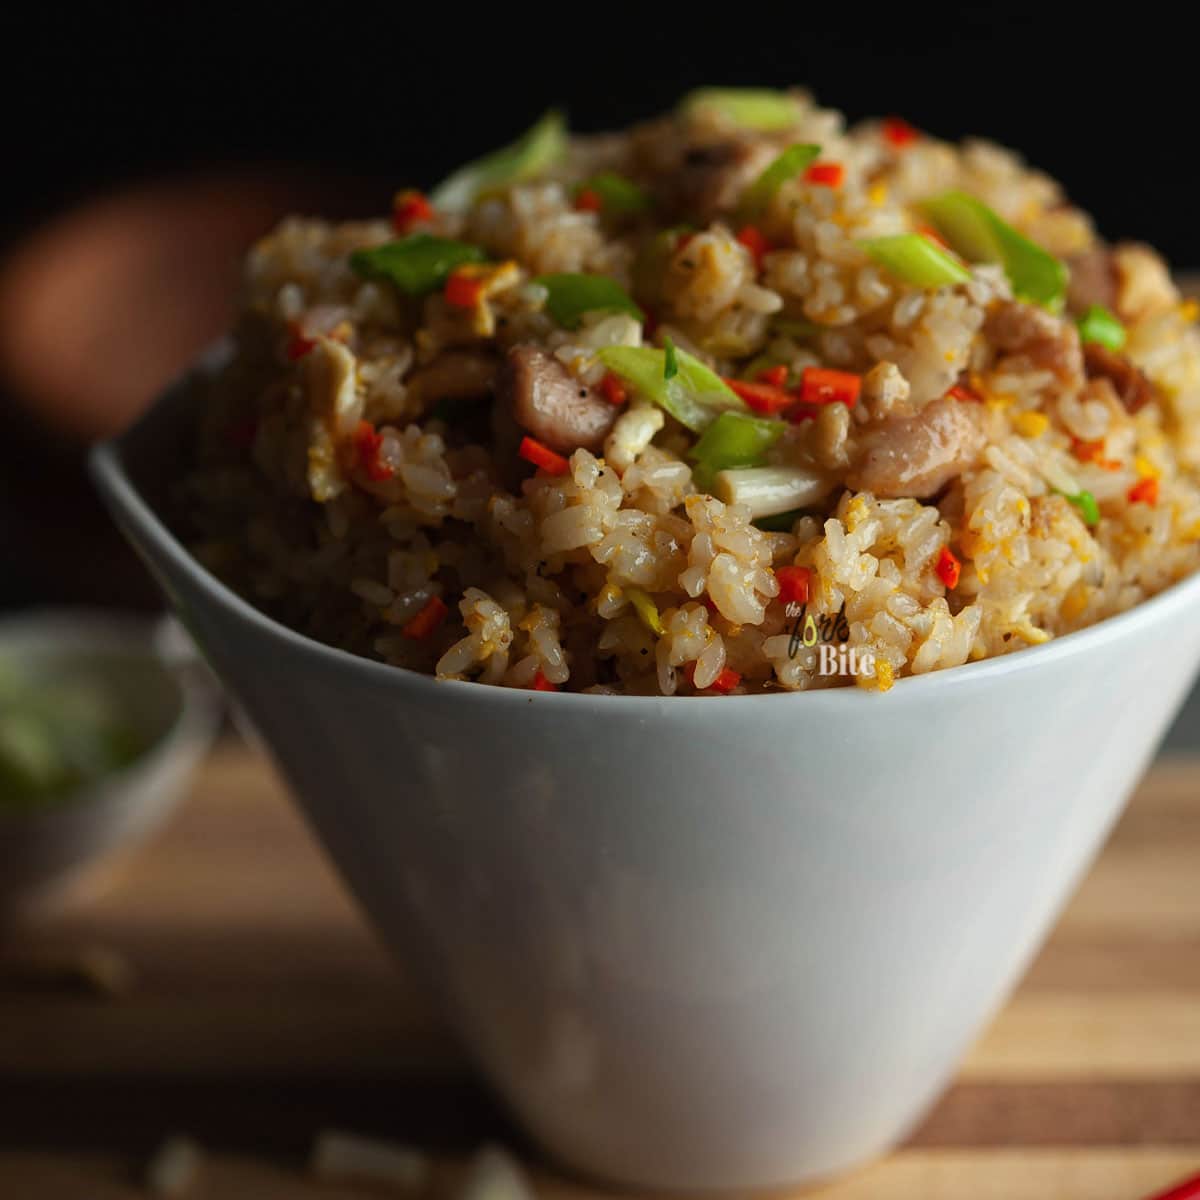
(261, 1011)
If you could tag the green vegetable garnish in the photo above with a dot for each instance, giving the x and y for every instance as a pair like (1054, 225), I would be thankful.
(751, 108)
(618, 196)
(1089, 510)
(779, 522)
(979, 235)
(694, 396)
(535, 150)
(914, 259)
(417, 264)
(1099, 325)
(733, 440)
(787, 166)
(670, 359)
(57, 735)
(646, 610)
(570, 296)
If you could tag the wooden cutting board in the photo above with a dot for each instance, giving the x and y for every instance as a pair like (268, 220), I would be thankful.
(262, 1011)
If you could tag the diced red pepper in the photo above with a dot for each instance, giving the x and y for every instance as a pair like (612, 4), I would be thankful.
(775, 376)
(961, 392)
(543, 457)
(612, 389)
(1145, 491)
(1189, 1189)
(755, 241)
(826, 174)
(542, 684)
(898, 132)
(649, 325)
(726, 681)
(427, 620)
(1093, 452)
(408, 208)
(822, 385)
(948, 568)
(588, 200)
(931, 235)
(794, 584)
(684, 239)
(761, 397)
(463, 290)
(367, 444)
(299, 344)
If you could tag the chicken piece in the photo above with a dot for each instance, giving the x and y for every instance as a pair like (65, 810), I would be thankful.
(454, 375)
(1144, 285)
(1092, 280)
(1132, 387)
(1045, 340)
(335, 408)
(918, 455)
(708, 180)
(550, 404)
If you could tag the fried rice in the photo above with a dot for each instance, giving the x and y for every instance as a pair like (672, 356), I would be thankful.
(687, 408)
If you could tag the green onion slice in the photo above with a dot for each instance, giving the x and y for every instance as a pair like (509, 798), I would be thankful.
(570, 296)
(915, 260)
(694, 396)
(751, 108)
(733, 440)
(415, 265)
(979, 235)
(1089, 510)
(618, 196)
(534, 151)
(670, 359)
(787, 166)
(1099, 325)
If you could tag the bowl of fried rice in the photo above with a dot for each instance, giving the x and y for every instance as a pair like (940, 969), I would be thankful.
(647, 433)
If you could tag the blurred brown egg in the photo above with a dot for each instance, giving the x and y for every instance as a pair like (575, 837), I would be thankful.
(103, 306)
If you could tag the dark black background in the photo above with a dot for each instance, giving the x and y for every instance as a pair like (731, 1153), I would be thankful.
(1102, 96)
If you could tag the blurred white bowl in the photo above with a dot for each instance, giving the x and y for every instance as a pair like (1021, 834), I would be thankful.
(49, 850)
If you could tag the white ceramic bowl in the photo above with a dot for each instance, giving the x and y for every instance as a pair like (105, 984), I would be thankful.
(699, 943)
(48, 852)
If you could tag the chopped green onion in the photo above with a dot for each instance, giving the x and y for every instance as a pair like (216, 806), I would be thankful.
(646, 609)
(1099, 325)
(1088, 508)
(538, 148)
(570, 296)
(693, 397)
(618, 196)
(780, 522)
(787, 166)
(415, 265)
(979, 235)
(752, 108)
(914, 259)
(670, 359)
(734, 439)
(767, 491)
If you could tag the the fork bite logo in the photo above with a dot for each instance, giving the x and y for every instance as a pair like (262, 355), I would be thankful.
(823, 643)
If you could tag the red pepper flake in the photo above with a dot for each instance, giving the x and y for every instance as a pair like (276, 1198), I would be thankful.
(761, 397)
(726, 681)
(588, 200)
(650, 324)
(241, 434)
(826, 174)
(408, 208)
(1093, 452)
(1145, 491)
(821, 385)
(684, 239)
(543, 457)
(795, 584)
(427, 620)
(367, 444)
(463, 290)
(948, 568)
(542, 684)
(960, 391)
(898, 132)
(755, 241)
(931, 235)
(299, 344)
(613, 390)
(1189, 1189)
(775, 376)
